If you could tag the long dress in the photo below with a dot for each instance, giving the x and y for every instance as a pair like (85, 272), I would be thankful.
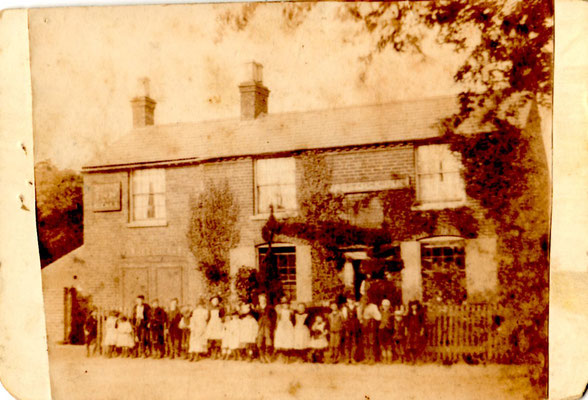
(214, 328)
(284, 336)
(110, 333)
(233, 333)
(301, 332)
(125, 335)
(318, 339)
(198, 341)
(248, 330)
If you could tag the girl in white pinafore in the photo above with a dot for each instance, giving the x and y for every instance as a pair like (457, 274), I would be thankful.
(284, 335)
(301, 331)
(198, 344)
(110, 334)
(214, 328)
(247, 332)
(125, 339)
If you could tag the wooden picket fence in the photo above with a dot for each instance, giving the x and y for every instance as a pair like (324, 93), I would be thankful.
(472, 332)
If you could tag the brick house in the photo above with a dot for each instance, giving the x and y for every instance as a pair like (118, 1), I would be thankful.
(137, 197)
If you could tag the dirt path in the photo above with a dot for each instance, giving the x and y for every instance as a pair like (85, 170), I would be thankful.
(75, 377)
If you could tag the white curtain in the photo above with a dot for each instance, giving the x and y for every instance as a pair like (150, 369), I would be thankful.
(148, 194)
(276, 184)
(438, 174)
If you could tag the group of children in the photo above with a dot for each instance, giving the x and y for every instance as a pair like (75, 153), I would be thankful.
(350, 332)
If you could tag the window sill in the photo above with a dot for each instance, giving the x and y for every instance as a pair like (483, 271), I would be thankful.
(438, 205)
(281, 214)
(147, 223)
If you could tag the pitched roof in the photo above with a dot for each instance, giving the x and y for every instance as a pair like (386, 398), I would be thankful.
(276, 133)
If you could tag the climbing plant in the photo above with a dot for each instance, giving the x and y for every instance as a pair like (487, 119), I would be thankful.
(213, 232)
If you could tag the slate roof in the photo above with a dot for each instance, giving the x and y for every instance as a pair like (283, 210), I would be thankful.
(279, 133)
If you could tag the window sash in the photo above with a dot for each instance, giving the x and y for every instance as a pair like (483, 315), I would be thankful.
(275, 184)
(148, 194)
(286, 264)
(438, 174)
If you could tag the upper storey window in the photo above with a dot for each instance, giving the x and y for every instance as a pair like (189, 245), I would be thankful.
(439, 177)
(275, 184)
(148, 195)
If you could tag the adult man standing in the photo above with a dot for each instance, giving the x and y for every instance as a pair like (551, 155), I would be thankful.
(140, 320)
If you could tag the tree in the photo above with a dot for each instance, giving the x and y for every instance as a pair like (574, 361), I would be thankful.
(59, 209)
(213, 232)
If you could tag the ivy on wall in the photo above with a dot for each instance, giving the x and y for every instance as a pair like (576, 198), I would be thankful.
(322, 222)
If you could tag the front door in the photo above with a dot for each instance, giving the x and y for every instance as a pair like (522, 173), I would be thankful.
(169, 284)
(135, 283)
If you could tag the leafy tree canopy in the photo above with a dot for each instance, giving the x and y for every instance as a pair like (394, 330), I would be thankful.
(59, 208)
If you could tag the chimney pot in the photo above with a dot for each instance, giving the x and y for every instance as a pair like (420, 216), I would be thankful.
(143, 106)
(254, 94)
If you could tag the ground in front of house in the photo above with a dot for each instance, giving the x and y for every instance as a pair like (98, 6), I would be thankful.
(76, 377)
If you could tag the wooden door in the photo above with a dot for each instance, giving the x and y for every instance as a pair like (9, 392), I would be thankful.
(135, 283)
(169, 284)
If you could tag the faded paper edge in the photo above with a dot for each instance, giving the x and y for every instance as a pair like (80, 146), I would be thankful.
(24, 367)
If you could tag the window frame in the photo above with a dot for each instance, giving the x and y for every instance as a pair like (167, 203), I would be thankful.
(288, 250)
(157, 220)
(429, 266)
(438, 202)
(257, 186)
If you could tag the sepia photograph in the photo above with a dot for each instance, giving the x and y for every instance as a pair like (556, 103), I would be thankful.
(295, 200)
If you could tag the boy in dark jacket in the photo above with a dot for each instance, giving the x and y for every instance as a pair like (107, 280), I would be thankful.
(91, 333)
(335, 327)
(266, 321)
(398, 336)
(350, 330)
(157, 322)
(174, 317)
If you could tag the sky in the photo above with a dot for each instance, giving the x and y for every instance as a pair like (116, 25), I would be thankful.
(86, 63)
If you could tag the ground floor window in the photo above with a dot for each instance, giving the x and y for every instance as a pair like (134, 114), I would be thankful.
(286, 267)
(443, 271)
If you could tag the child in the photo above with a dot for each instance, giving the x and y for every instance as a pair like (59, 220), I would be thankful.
(370, 318)
(415, 327)
(233, 335)
(351, 330)
(318, 339)
(224, 342)
(301, 331)
(185, 330)
(110, 333)
(125, 338)
(385, 330)
(174, 316)
(214, 328)
(198, 343)
(266, 318)
(399, 336)
(284, 335)
(157, 322)
(335, 327)
(91, 332)
(247, 331)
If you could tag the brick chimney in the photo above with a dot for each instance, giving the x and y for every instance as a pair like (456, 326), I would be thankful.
(143, 106)
(253, 94)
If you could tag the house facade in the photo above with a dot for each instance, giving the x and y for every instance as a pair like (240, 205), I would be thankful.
(138, 198)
